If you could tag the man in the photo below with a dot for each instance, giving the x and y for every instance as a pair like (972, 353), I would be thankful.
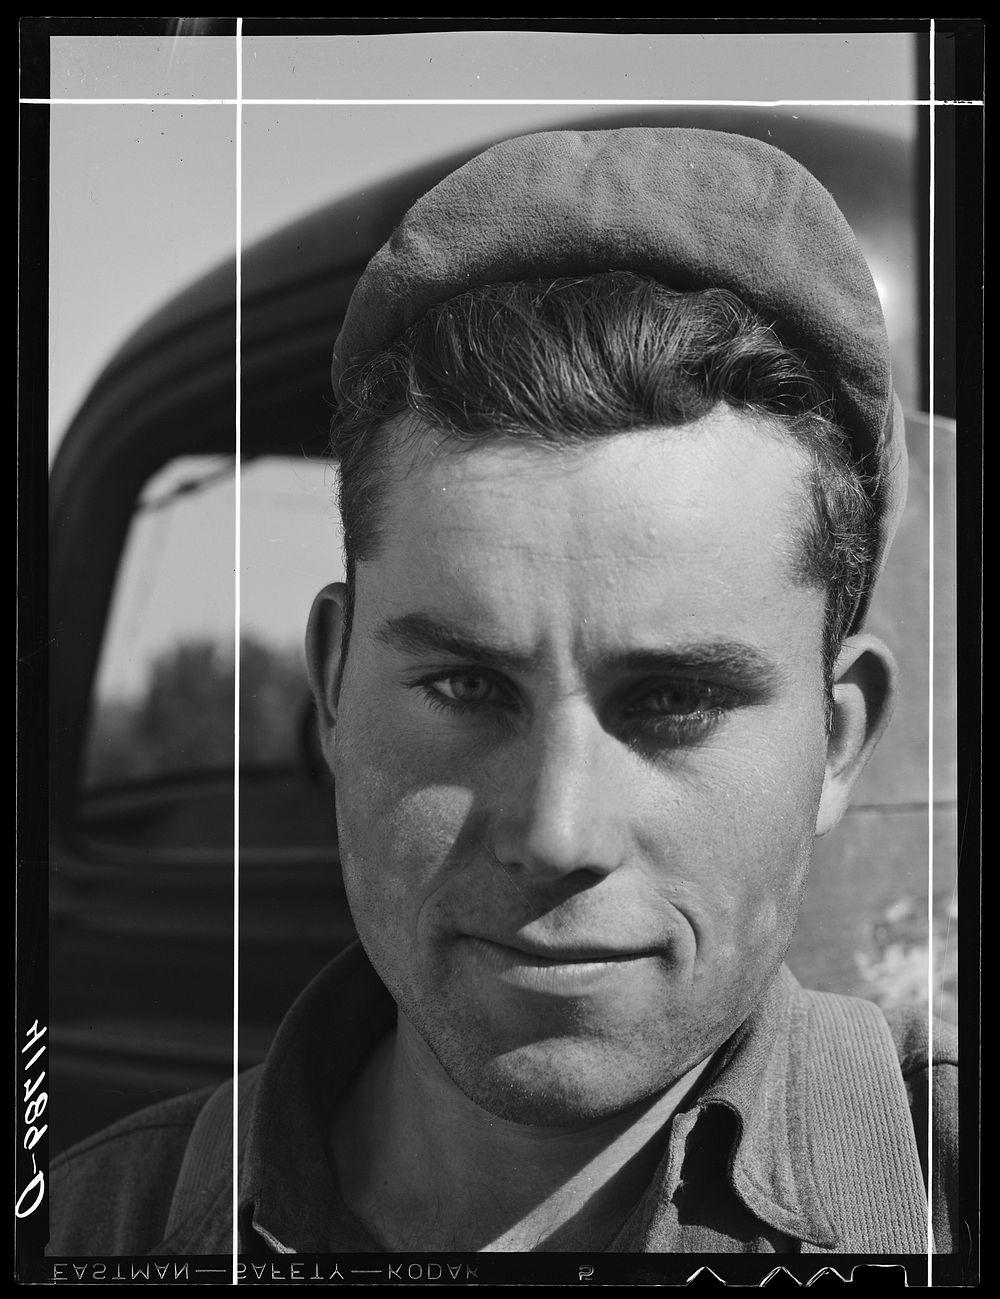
(620, 462)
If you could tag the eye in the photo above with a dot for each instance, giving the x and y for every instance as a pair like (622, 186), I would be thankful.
(679, 699)
(466, 688)
(676, 712)
(467, 691)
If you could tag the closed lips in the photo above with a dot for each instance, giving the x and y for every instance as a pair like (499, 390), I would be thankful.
(576, 955)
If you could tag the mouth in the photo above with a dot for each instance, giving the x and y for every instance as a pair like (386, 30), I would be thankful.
(570, 969)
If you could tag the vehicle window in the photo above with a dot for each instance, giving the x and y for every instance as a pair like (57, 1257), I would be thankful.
(163, 700)
(160, 703)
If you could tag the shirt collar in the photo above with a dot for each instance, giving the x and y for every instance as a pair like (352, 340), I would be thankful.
(759, 1075)
(288, 1188)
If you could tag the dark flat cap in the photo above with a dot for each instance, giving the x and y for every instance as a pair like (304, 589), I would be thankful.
(694, 209)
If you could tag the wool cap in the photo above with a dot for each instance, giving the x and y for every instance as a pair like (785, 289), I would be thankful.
(694, 209)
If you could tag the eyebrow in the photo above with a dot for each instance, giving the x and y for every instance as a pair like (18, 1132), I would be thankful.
(419, 633)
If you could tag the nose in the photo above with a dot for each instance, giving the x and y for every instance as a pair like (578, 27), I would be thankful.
(564, 806)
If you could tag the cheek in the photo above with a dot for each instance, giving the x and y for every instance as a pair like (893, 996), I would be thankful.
(401, 830)
(736, 840)
(388, 737)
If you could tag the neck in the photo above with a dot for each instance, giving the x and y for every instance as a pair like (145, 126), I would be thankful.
(425, 1167)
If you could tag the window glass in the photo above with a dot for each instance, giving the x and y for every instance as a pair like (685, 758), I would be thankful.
(160, 701)
(163, 700)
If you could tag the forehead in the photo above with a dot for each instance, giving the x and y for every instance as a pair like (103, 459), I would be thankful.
(693, 525)
(721, 450)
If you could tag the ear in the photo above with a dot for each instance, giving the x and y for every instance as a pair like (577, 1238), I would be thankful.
(324, 652)
(864, 694)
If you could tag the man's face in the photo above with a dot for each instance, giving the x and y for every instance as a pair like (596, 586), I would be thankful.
(578, 753)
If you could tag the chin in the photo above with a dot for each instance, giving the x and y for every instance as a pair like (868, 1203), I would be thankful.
(563, 1084)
